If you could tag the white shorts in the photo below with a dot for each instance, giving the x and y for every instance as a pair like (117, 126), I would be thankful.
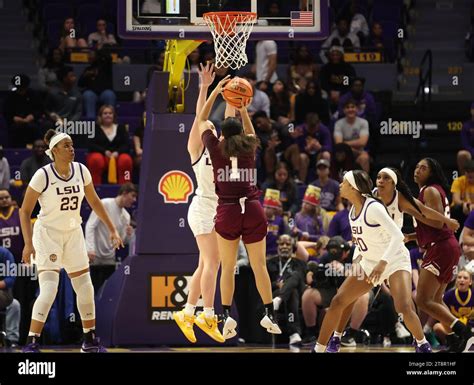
(201, 214)
(399, 262)
(59, 249)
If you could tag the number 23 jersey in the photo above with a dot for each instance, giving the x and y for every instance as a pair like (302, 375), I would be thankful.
(60, 199)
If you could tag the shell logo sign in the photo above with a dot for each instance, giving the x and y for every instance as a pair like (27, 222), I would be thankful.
(176, 187)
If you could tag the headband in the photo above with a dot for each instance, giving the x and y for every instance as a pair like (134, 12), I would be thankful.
(391, 173)
(54, 141)
(349, 176)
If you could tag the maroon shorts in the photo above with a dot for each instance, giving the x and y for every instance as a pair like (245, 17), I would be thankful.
(442, 258)
(231, 224)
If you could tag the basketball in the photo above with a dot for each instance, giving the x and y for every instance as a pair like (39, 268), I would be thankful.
(236, 90)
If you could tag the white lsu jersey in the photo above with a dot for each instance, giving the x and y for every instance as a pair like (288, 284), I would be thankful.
(372, 239)
(394, 210)
(60, 199)
(205, 176)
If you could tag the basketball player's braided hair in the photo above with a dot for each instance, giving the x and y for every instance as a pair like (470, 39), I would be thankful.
(403, 189)
(437, 175)
(365, 185)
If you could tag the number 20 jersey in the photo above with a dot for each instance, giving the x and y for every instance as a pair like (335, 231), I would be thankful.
(60, 199)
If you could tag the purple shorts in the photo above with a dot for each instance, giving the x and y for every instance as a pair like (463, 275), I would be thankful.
(231, 223)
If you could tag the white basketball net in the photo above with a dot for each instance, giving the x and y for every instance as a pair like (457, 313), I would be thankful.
(230, 31)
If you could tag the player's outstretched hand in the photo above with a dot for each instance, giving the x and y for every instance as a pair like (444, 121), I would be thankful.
(207, 74)
(116, 240)
(244, 103)
(221, 85)
(28, 253)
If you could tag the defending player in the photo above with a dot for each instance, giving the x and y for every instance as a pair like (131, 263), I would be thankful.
(201, 220)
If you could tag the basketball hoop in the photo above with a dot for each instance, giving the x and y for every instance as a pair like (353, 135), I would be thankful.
(230, 31)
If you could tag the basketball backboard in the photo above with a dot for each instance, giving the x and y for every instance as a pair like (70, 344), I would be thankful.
(182, 19)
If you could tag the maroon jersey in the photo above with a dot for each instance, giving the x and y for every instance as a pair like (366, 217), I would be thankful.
(10, 233)
(234, 177)
(426, 234)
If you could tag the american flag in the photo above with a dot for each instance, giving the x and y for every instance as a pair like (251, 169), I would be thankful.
(301, 18)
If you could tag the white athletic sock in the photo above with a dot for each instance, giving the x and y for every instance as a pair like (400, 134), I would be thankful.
(189, 310)
(319, 348)
(421, 342)
(427, 329)
(87, 330)
(32, 334)
(337, 334)
(209, 312)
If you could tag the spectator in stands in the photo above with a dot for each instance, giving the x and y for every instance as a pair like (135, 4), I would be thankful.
(302, 68)
(283, 182)
(330, 198)
(287, 274)
(70, 36)
(308, 225)
(22, 109)
(342, 37)
(311, 100)
(7, 302)
(37, 160)
(335, 75)
(47, 77)
(339, 224)
(378, 42)
(266, 61)
(353, 131)
(4, 171)
(462, 191)
(101, 252)
(467, 239)
(276, 224)
(341, 161)
(65, 103)
(460, 302)
(280, 103)
(101, 38)
(96, 80)
(358, 23)
(467, 139)
(322, 287)
(314, 142)
(109, 146)
(366, 107)
(274, 13)
(260, 101)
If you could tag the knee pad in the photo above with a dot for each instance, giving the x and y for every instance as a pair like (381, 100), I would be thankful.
(85, 296)
(48, 284)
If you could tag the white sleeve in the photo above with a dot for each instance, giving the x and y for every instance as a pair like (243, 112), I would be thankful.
(39, 181)
(85, 174)
(377, 214)
(338, 129)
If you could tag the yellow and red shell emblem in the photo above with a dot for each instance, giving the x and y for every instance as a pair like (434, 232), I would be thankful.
(176, 187)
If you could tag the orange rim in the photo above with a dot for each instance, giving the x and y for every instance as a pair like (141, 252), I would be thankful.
(228, 20)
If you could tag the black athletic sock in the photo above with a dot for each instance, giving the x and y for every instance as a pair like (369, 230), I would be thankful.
(269, 309)
(226, 310)
(460, 329)
(89, 337)
(311, 330)
(32, 340)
